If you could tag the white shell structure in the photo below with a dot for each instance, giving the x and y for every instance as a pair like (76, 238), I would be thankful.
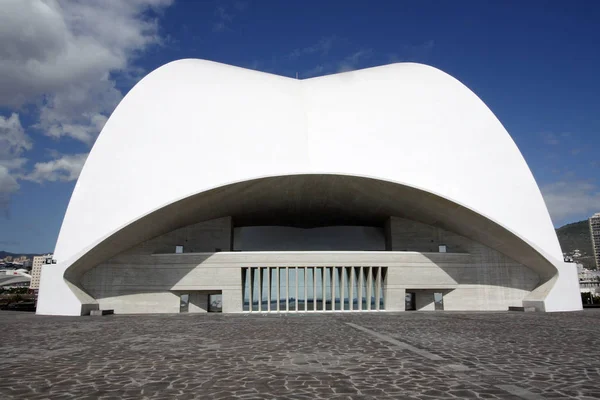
(195, 128)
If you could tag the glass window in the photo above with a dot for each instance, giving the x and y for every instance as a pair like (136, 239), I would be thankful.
(246, 289)
(347, 287)
(274, 279)
(264, 285)
(365, 286)
(355, 287)
(310, 297)
(337, 275)
(319, 289)
(327, 291)
(438, 301)
(178, 249)
(255, 286)
(375, 272)
(301, 289)
(292, 288)
(184, 302)
(383, 273)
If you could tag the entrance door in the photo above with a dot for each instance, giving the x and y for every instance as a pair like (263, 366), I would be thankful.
(409, 301)
(438, 301)
(215, 303)
(184, 303)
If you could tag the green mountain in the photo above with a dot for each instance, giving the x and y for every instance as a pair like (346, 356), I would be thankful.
(577, 236)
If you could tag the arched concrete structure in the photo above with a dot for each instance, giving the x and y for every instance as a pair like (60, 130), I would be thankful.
(197, 140)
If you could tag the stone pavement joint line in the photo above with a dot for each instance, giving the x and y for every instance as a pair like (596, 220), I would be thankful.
(397, 343)
(519, 391)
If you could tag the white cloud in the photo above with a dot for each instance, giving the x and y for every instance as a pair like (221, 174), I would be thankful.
(8, 186)
(225, 13)
(354, 60)
(61, 55)
(567, 200)
(13, 143)
(64, 168)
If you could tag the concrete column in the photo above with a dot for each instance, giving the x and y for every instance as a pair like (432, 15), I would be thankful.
(351, 294)
(324, 285)
(305, 289)
(287, 289)
(333, 279)
(394, 298)
(278, 290)
(360, 286)
(231, 301)
(296, 296)
(342, 271)
(315, 289)
(269, 289)
(251, 287)
(260, 281)
(378, 288)
(369, 291)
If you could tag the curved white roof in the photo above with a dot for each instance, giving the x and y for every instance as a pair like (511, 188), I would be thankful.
(194, 125)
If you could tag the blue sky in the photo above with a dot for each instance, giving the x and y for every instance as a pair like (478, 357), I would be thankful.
(64, 65)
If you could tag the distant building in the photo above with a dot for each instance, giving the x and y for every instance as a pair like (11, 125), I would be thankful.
(595, 234)
(36, 269)
(14, 278)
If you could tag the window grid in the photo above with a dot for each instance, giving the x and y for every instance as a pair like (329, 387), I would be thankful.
(316, 289)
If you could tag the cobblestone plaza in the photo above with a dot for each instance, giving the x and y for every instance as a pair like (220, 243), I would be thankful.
(422, 355)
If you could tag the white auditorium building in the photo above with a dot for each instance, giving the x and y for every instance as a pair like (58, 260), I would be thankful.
(218, 188)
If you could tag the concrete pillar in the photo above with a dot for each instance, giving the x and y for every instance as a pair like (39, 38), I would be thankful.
(287, 289)
(361, 287)
(369, 286)
(333, 279)
(342, 271)
(351, 294)
(251, 287)
(278, 290)
(232, 300)
(378, 288)
(260, 281)
(324, 288)
(305, 289)
(269, 289)
(315, 289)
(394, 298)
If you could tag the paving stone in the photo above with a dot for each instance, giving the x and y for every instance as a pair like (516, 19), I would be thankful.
(396, 355)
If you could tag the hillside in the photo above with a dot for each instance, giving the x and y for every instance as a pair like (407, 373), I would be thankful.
(577, 236)
(6, 253)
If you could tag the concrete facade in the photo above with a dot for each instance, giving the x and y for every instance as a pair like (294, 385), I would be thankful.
(145, 279)
(403, 140)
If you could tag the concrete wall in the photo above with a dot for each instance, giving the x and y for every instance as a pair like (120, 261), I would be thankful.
(149, 277)
(202, 237)
(489, 280)
(152, 283)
